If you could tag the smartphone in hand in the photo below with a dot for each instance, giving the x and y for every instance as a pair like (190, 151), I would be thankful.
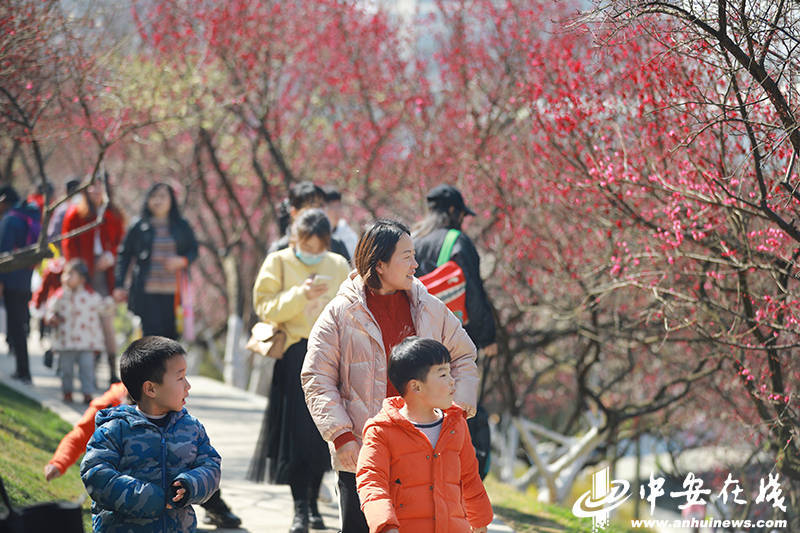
(320, 279)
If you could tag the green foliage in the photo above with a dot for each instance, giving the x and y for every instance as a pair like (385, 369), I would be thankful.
(525, 514)
(29, 435)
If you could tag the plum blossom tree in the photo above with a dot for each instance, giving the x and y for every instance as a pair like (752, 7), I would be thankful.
(274, 93)
(58, 88)
(634, 171)
(639, 205)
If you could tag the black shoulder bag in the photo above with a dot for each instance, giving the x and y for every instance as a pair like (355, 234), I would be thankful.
(62, 516)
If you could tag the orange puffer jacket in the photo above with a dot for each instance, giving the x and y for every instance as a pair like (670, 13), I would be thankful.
(404, 482)
(74, 443)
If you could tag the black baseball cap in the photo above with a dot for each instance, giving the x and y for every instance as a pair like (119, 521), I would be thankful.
(443, 197)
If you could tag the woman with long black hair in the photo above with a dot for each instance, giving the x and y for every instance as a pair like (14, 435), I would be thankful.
(159, 247)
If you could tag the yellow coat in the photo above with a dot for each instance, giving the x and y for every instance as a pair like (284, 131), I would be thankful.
(277, 295)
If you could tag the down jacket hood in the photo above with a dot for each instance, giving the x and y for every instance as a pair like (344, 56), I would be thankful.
(131, 415)
(390, 415)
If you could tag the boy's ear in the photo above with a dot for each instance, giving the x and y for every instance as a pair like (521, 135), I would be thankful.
(149, 389)
(414, 385)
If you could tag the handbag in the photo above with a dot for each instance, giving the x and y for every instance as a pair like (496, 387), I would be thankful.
(447, 282)
(41, 516)
(267, 339)
(184, 307)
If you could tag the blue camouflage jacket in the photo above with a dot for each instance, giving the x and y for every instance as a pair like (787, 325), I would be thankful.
(130, 464)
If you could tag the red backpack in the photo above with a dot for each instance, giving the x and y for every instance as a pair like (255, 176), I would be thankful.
(447, 281)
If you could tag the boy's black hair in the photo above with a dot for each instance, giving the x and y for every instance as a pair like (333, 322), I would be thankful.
(72, 185)
(413, 358)
(146, 360)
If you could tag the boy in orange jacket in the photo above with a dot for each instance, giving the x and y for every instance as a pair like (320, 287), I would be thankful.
(417, 470)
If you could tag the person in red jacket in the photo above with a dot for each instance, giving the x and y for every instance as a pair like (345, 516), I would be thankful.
(73, 445)
(98, 249)
(417, 469)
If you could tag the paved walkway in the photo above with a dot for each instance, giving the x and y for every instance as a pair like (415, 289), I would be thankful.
(232, 419)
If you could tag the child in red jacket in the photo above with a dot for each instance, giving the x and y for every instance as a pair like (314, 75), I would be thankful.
(417, 470)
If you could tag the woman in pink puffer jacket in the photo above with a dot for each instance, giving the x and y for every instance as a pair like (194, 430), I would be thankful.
(344, 375)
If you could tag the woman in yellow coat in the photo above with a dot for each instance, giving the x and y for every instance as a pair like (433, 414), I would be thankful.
(291, 289)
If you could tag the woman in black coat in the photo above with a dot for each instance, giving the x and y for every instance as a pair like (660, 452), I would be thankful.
(158, 248)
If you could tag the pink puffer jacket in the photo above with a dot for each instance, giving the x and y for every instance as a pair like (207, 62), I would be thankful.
(344, 374)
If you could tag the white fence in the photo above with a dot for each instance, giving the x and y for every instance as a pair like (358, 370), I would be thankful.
(555, 460)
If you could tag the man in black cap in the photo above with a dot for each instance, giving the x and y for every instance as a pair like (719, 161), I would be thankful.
(18, 227)
(447, 211)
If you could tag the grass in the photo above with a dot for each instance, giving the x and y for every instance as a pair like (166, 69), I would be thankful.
(525, 514)
(29, 434)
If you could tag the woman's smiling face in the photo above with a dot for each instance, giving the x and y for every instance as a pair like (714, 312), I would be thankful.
(159, 202)
(398, 273)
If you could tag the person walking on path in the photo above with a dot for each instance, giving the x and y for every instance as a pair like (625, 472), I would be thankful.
(73, 445)
(291, 289)
(345, 372)
(19, 226)
(57, 219)
(417, 443)
(447, 212)
(159, 247)
(145, 465)
(75, 311)
(335, 212)
(97, 247)
(306, 195)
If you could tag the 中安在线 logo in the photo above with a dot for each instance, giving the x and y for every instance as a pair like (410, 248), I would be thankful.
(604, 496)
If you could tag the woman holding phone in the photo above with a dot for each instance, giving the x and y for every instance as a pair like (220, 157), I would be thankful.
(291, 289)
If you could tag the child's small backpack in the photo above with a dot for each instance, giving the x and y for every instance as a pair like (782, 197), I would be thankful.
(447, 282)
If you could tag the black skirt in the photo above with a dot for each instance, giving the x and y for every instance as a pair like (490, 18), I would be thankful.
(289, 440)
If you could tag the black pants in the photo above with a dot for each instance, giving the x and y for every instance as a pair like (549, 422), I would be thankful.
(17, 327)
(305, 484)
(158, 315)
(215, 503)
(353, 520)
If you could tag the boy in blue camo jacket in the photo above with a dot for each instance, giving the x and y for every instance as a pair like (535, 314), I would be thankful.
(147, 463)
